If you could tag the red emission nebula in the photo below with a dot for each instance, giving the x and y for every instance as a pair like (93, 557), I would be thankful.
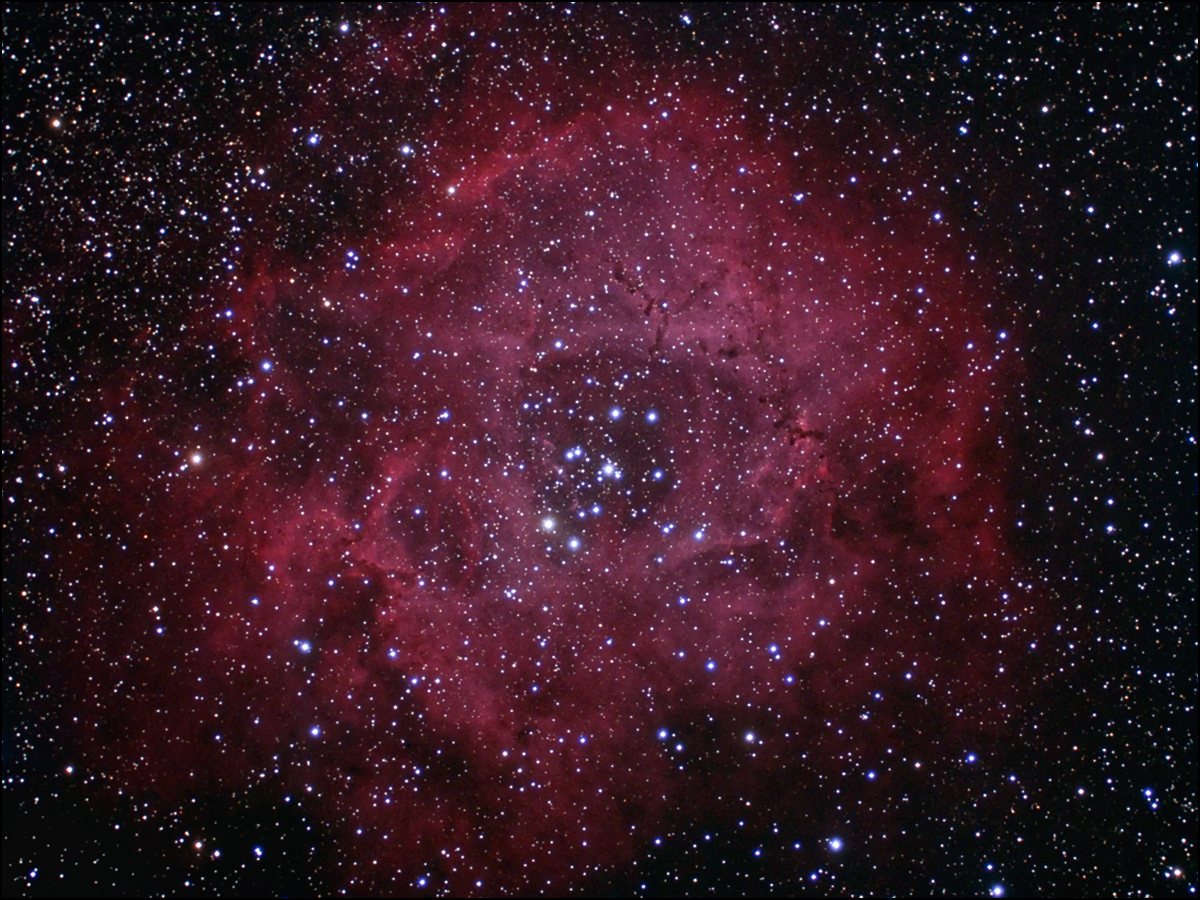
(617, 465)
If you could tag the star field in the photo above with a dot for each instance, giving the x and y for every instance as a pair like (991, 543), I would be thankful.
(600, 449)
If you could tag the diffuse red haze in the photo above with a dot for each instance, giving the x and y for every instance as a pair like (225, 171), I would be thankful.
(639, 465)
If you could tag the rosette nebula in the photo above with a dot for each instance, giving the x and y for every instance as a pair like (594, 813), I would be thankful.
(562, 452)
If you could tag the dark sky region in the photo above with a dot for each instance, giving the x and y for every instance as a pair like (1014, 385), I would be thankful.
(601, 450)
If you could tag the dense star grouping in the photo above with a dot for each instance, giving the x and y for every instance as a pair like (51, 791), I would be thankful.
(539, 449)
